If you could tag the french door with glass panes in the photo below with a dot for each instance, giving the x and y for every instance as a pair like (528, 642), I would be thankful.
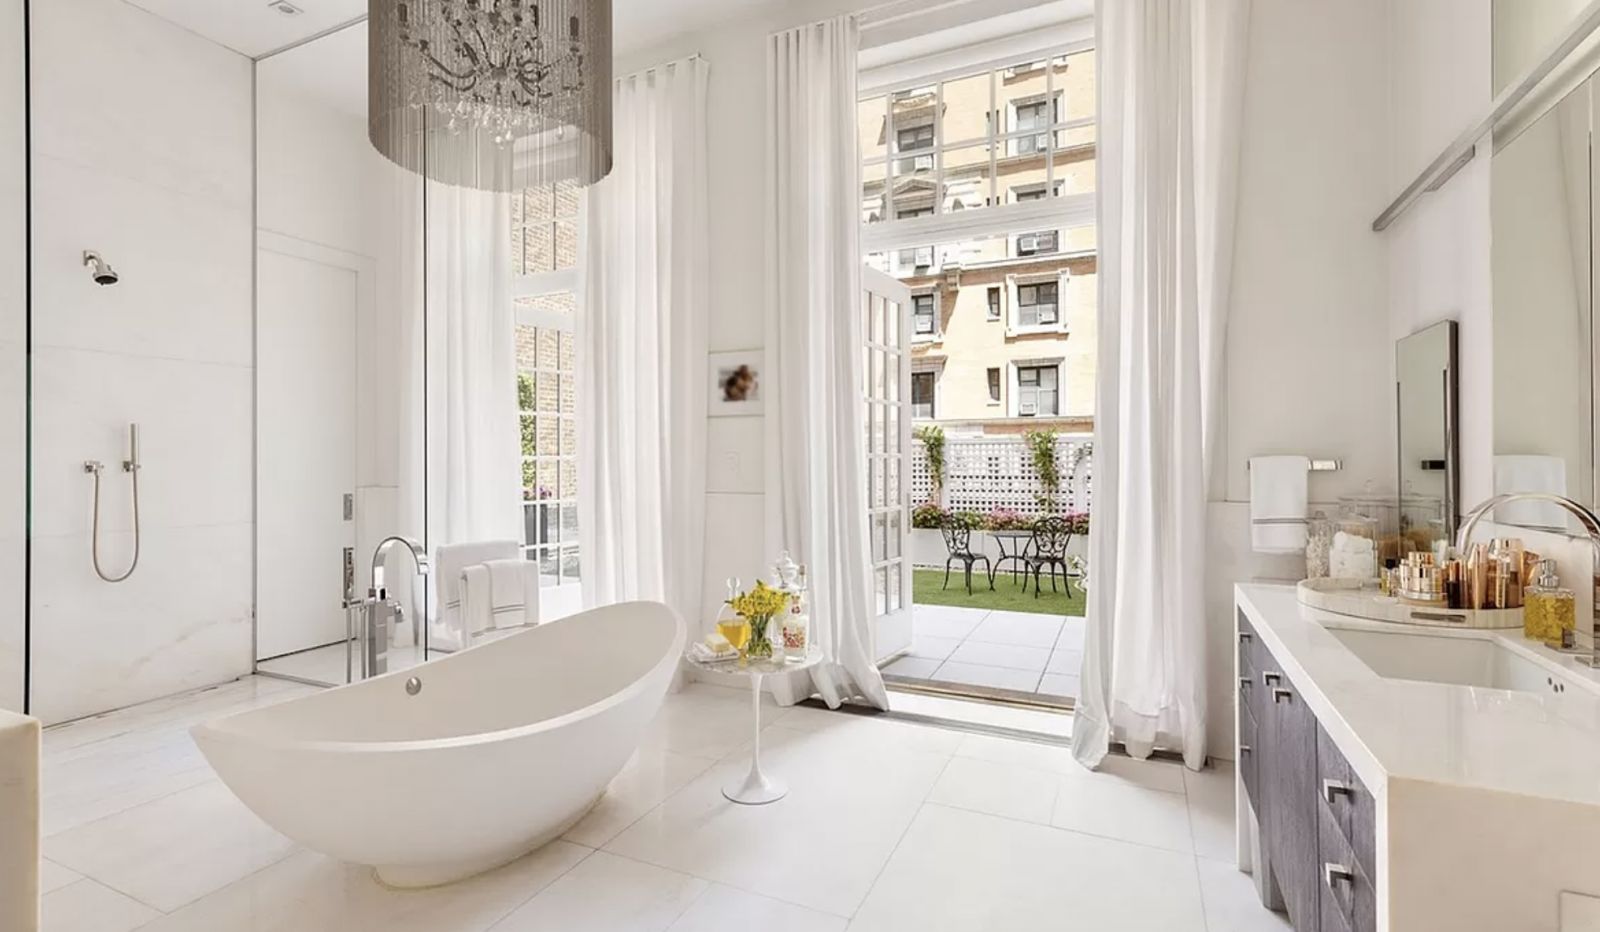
(886, 328)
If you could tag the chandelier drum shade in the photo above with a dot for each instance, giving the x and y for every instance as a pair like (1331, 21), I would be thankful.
(496, 95)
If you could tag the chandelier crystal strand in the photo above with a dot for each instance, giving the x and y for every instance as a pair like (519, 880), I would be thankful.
(497, 95)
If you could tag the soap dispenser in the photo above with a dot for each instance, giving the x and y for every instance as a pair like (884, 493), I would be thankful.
(1549, 612)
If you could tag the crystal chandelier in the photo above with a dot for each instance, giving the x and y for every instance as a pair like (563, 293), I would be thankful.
(492, 94)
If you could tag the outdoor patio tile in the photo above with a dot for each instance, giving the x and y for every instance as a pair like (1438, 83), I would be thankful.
(1032, 659)
(930, 647)
(946, 621)
(1057, 684)
(1065, 662)
(916, 667)
(1023, 629)
(1072, 634)
(973, 674)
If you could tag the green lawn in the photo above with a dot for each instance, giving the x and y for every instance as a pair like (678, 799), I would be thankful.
(1007, 595)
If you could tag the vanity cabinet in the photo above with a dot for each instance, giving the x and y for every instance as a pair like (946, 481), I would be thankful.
(1315, 816)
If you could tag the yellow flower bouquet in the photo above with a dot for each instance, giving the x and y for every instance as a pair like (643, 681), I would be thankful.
(759, 606)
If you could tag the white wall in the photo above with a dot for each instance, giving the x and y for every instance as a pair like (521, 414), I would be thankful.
(142, 151)
(1309, 366)
(13, 354)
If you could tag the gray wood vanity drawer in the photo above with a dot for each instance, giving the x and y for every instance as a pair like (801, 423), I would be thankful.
(1249, 648)
(1249, 736)
(1348, 897)
(1348, 803)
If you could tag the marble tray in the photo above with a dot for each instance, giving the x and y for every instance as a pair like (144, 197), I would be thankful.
(1361, 599)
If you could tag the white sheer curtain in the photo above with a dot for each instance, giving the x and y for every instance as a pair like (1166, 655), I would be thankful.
(459, 423)
(816, 456)
(642, 348)
(1170, 85)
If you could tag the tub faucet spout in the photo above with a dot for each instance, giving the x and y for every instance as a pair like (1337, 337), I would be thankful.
(419, 556)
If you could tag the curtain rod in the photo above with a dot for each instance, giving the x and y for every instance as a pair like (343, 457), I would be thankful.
(1462, 150)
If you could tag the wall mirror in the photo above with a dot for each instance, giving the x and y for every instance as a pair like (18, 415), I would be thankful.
(1426, 373)
(1542, 264)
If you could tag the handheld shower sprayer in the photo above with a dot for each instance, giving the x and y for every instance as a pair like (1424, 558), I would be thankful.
(130, 466)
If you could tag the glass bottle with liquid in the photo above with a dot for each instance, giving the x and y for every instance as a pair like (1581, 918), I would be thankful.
(1549, 611)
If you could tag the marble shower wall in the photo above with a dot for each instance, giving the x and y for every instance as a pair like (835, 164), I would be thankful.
(141, 150)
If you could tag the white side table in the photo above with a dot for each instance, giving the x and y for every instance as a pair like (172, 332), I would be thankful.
(756, 788)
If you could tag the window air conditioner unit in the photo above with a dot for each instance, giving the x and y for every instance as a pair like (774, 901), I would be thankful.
(1027, 408)
(1029, 243)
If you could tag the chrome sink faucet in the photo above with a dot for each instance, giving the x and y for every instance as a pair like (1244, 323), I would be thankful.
(1590, 522)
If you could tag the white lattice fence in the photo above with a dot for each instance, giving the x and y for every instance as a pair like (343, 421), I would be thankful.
(985, 473)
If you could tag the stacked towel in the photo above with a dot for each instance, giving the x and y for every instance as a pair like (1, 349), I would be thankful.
(1531, 474)
(1278, 503)
(499, 594)
(450, 561)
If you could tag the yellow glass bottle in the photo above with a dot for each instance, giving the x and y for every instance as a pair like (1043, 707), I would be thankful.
(1549, 611)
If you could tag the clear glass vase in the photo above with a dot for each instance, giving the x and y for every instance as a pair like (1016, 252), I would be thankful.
(760, 646)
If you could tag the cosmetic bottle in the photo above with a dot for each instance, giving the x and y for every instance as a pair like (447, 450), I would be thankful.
(1550, 613)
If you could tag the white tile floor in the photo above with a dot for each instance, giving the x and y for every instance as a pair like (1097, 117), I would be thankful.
(1017, 651)
(889, 827)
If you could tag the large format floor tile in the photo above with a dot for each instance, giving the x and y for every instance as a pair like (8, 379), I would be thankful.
(174, 850)
(1126, 813)
(311, 893)
(1231, 903)
(1211, 806)
(973, 674)
(607, 893)
(1023, 629)
(1031, 659)
(959, 871)
(725, 909)
(86, 906)
(946, 621)
(648, 778)
(1010, 790)
(823, 844)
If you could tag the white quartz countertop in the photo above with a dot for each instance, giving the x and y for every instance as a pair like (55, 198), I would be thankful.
(1537, 745)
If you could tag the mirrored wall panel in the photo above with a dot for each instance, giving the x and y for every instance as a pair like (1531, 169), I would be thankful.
(339, 373)
(13, 355)
(1544, 340)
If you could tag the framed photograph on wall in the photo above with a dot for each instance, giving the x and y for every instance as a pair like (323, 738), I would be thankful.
(736, 387)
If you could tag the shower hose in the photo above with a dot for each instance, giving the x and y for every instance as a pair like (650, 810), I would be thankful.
(94, 545)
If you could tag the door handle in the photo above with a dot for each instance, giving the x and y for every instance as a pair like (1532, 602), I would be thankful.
(1334, 874)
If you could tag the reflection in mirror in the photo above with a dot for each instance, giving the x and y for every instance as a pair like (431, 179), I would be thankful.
(1541, 216)
(1425, 375)
(332, 349)
(1524, 30)
(13, 317)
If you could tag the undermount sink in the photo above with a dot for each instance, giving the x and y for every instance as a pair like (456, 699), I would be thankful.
(1456, 660)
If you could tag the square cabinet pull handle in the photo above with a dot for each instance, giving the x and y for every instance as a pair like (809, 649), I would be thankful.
(1271, 678)
(1244, 636)
(1278, 695)
(1331, 789)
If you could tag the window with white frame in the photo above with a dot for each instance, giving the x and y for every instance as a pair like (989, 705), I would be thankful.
(545, 226)
(1037, 391)
(924, 316)
(1038, 304)
(924, 387)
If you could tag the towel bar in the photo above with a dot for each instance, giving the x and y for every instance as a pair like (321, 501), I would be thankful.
(1317, 465)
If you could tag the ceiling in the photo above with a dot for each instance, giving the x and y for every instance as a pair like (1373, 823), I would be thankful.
(332, 69)
(253, 28)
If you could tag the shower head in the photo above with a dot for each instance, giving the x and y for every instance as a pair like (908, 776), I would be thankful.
(103, 273)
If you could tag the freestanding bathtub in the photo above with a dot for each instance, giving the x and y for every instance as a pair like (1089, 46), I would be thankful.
(501, 750)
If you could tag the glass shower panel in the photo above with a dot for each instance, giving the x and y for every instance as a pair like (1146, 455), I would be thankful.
(13, 358)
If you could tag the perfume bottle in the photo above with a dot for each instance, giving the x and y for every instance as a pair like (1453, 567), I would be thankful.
(796, 625)
(1549, 611)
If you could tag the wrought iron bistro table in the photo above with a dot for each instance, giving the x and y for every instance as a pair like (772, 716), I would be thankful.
(1020, 541)
(756, 788)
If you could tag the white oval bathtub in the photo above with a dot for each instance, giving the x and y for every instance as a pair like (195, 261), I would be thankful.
(504, 748)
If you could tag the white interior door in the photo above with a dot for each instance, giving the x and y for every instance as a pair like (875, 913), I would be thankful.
(306, 317)
(886, 329)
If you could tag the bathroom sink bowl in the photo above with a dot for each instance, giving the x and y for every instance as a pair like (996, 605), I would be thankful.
(1462, 661)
